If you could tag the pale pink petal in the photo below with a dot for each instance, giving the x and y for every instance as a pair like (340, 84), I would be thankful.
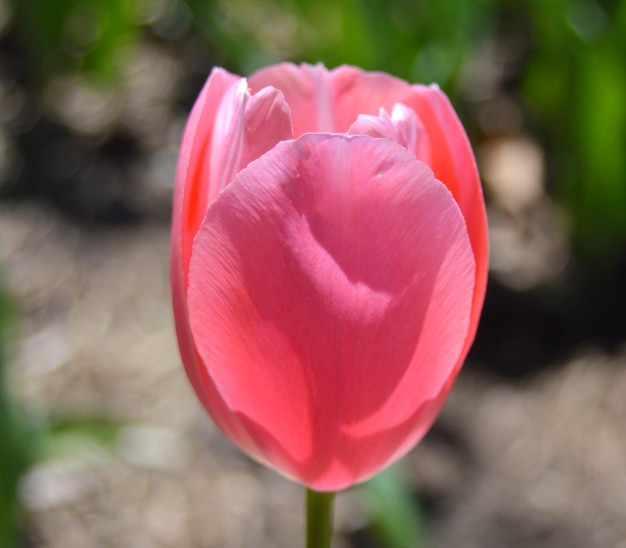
(227, 142)
(245, 128)
(306, 89)
(267, 122)
(330, 292)
(453, 163)
(403, 127)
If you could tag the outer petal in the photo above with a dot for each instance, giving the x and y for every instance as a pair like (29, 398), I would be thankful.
(453, 163)
(189, 205)
(329, 298)
(192, 175)
(219, 128)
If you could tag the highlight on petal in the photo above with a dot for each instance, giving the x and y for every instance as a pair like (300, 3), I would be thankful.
(192, 173)
(245, 127)
(403, 127)
(267, 121)
(330, 291)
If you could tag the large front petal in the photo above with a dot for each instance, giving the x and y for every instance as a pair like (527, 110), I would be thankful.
(330, 290)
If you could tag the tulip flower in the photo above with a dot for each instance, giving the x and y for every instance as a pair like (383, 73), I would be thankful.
(329, 263)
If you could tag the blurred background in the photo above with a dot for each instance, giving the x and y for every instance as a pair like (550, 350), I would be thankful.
(102, 442)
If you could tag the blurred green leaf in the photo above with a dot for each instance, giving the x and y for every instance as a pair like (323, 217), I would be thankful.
(67, 436)
(576, 83)
(15, 442)
(599, 205)
(66, 36)
(24, 441)
(396, 517)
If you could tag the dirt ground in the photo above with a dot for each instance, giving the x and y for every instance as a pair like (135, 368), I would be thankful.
(533, 462)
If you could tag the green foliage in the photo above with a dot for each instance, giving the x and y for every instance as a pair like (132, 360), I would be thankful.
(576, 83)
(74, 35)
(420, 41)
(14, 444)
(397, 520)
(67, 436)
(25, 441)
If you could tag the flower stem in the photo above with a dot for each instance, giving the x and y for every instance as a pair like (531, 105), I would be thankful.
(319, 518)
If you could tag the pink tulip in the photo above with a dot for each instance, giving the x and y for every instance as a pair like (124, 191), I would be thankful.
(329, 263)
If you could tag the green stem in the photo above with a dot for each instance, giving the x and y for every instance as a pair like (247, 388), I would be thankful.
(319, 518)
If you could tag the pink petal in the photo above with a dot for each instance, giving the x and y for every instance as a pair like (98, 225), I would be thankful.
(330, 291)
(267, 122)
(453, 163)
